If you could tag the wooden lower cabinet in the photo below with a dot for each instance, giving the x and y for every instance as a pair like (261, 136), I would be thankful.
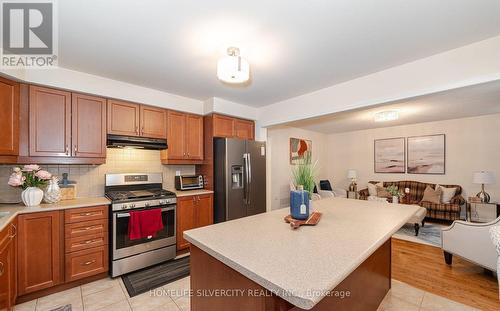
(8, 267)
(193, 212)
(85, 263)
(40, 251)
(86, 242)
(59, 247)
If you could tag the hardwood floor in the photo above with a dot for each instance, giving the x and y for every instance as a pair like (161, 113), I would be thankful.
(423, 267)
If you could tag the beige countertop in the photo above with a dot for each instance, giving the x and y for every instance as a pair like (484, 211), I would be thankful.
(188, 193)
(302, 265)
(14, 209)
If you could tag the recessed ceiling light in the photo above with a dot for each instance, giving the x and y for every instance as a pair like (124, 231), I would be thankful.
(232, 68)
(385, 116)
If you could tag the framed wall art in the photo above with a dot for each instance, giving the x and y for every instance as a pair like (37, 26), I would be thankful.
(427, 154)
(300, 149)
(389, 155)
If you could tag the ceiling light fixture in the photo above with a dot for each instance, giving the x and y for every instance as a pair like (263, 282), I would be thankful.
(232, 68)
(385, 116)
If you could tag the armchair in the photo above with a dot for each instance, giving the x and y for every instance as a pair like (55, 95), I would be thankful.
(326, 191)
(470, 241)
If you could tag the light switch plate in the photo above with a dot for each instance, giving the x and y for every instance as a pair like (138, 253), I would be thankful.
(177, 173)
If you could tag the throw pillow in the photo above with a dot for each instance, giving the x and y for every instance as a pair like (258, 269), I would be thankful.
(382, 192)
(432, 196)
(372, 188)
(448, 193)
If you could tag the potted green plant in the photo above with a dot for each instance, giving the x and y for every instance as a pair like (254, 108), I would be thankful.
(395, 193)
(304, 172)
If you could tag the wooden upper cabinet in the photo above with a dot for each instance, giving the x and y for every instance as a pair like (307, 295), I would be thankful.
(9, 116)
(176, 135)
(123, 118)
(89, 126)
(244, 129)
(184, 138)
(40, 253)
(223, 126)
(194, 137)
(50, 122)
(153, 122)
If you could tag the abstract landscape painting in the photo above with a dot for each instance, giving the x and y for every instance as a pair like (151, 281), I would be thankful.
(300, 149)
(390, 155)
(426, 154)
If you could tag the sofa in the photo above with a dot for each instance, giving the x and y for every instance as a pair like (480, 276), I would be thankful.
(442, 211)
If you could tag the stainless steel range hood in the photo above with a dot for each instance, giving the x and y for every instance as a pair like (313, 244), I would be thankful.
(120, 141)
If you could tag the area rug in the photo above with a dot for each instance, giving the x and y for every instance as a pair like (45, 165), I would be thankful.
(141, 281)
(430, 234)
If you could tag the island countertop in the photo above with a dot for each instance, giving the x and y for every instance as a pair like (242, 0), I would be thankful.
(303, 265)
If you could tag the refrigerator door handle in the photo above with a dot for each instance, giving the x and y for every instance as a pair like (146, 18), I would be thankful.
(245, 179)
(249, 177)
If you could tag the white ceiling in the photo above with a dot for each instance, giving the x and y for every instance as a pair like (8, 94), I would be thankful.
(293, 46)
(459, 103)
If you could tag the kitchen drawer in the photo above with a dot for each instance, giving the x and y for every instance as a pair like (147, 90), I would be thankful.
(86, 228)
(85, 242)
(85, 214)
(85, 263)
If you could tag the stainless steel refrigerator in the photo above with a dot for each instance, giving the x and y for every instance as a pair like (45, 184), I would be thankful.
(239, 178)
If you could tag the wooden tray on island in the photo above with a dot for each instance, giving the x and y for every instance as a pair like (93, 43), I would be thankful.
(311, 221)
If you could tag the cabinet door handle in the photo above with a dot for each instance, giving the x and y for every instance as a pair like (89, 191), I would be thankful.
(137, 130)
(2, 269)
(75, 149)
(13, 232)
(142, 130)
(67, 150)
(88, 228)
(86, 242)
(87, 214)
(88, 263)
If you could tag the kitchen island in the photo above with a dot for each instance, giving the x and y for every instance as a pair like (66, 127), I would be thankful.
(260, 263)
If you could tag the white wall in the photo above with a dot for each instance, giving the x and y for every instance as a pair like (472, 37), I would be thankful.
(279, 168)
(97, 85)
(472, 144)
(472, 64)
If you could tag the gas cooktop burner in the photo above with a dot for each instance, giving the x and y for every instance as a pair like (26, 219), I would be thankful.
(138, 194)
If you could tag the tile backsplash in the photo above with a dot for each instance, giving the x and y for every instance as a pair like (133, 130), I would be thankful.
(90, 178)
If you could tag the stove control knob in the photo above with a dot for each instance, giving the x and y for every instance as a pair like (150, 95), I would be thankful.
(132, 205)
(146, 204)
(163, 202)
(124, 206)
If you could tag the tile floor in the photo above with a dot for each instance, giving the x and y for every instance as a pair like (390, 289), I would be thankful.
(407, 298)
(110, 295)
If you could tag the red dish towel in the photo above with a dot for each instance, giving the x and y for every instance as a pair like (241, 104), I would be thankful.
(143, 224)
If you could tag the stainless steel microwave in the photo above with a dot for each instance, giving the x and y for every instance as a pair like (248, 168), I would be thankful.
(189, 182)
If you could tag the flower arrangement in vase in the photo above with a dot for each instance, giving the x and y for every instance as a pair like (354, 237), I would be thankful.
(395, 193)
(31, 178)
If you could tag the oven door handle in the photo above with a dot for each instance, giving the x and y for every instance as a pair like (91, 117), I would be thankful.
(123, 215)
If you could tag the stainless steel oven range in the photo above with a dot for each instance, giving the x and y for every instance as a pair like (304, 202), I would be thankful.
(136, 192)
